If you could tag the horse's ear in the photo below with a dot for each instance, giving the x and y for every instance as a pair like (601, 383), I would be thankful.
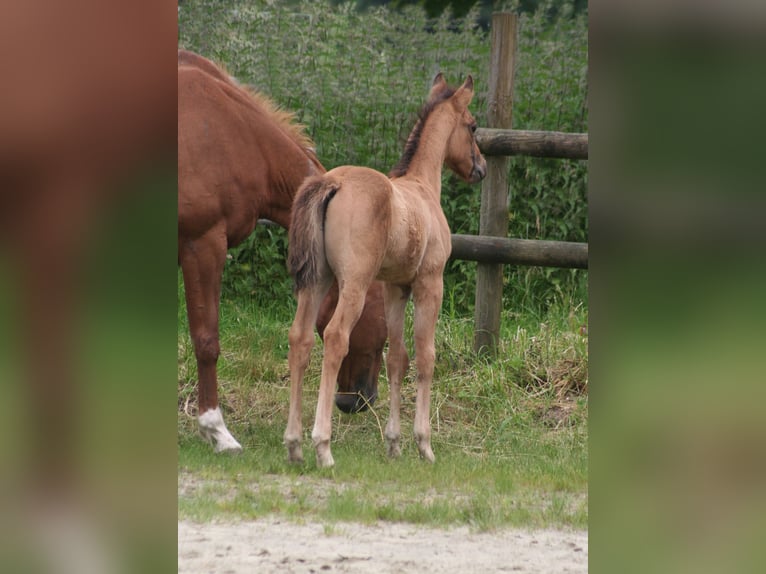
(438, 84)
(464, 93)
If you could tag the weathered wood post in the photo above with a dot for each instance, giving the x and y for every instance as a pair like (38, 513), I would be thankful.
(494, 191)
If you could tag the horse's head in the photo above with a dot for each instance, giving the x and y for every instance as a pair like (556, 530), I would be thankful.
(358, 381)
(463, 156)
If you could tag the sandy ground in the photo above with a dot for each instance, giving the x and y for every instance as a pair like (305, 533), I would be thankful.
(274, 545)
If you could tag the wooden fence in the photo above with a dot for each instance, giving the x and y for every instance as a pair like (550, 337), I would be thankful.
(491, 248)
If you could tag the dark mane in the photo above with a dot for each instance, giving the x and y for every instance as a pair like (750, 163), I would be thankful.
(413, 140)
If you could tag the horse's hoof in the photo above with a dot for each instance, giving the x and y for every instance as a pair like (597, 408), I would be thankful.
(294, 452)
(428, 456)
(213, 430)
(229, 447)
(324, 456)
(424, 448)
(325, 461)
(393, 447)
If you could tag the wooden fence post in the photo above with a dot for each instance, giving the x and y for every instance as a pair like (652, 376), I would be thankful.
(494, 191)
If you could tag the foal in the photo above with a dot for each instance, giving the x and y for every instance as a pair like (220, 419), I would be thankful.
(356, 225)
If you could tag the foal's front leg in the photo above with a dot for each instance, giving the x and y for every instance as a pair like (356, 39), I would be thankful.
(427, 296)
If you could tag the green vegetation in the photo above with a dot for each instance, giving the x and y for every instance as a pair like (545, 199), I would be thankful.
(509, 434)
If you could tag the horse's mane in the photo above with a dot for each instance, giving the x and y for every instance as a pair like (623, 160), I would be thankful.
(286, 120)
(413, 141)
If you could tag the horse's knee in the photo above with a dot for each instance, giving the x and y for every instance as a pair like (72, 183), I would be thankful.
(206, 348)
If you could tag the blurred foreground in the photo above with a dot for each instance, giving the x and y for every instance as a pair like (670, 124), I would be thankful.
(678, 436)
(87, 255)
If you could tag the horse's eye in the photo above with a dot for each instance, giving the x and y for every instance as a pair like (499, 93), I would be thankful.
(473, 128)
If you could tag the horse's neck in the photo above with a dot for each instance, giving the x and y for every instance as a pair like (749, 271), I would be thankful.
(426, 164)
(289, 167)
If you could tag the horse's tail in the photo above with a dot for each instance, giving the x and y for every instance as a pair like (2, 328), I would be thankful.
(306, 258)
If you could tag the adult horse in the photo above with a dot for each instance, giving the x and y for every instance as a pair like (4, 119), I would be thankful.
(241, 159)
(355, 224)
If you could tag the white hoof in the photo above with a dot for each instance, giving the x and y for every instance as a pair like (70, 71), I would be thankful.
(213, 429)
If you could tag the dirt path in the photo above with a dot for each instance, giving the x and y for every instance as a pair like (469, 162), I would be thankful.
(274, 545)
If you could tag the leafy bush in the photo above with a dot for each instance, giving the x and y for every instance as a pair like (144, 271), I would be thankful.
(356, 80)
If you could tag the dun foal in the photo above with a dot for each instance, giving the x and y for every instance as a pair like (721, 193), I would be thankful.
(356, 225)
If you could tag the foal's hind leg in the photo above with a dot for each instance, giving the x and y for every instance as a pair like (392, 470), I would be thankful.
(396, 361)
(202, 263)
(427, 296)
(336, 334)
(301, 338)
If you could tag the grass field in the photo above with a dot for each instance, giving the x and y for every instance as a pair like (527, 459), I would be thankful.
(509, 434)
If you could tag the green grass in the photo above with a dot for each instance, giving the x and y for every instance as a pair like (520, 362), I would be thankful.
(509, 434)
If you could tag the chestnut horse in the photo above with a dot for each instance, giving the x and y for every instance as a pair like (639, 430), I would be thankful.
(241, 159)
(355, 225)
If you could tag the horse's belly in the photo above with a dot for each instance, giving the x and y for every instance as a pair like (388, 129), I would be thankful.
(396, 275)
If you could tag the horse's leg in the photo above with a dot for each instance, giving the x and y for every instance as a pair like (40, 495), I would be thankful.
(301, 339)
(396, 361)
(336, 334)
(427, 296)
(202, 263)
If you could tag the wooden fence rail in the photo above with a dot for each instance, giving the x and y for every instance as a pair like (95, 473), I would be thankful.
(532, 143)
(520, 251)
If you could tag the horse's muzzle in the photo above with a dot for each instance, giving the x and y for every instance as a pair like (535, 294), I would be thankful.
(354, 402)
(478, 172)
